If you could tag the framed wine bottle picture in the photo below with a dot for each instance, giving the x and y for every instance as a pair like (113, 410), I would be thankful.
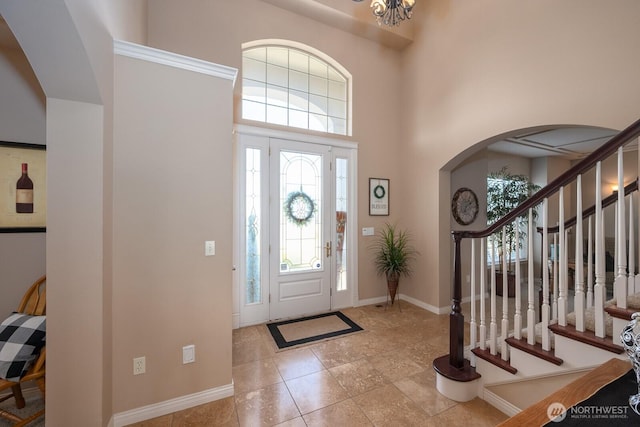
(23, 188)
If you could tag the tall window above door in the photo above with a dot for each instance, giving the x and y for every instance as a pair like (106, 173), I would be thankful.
(294, 85)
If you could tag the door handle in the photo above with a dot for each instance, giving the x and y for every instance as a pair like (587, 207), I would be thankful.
(327, 247)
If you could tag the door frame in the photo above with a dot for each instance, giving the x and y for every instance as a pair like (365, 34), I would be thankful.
(341, 148)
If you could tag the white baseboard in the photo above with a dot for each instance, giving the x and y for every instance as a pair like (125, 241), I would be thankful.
(424, 305)
(169, 406)
(371, 301)
(235, 320)
(500, 404)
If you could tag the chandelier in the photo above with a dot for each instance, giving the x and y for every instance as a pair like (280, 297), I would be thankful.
(391, 12)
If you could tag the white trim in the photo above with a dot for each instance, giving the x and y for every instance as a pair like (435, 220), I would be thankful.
(176, 60)
(170, 406)
(371, 301)
(500, 403)
(293, 136)
(424, 305)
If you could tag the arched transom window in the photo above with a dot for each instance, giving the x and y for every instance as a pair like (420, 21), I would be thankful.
(295, 87)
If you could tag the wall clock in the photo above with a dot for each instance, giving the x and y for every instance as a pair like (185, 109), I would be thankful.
(464, 206)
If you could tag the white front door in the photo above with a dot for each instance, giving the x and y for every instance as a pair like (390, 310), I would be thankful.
(296, 237)
(301, 241)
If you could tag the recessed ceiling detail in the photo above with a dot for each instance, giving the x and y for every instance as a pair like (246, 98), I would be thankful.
(567, 142)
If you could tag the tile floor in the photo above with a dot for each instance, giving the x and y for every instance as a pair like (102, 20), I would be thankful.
(379, 377)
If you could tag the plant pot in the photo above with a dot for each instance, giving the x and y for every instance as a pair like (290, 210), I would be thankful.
(392, 286)
(511, 284)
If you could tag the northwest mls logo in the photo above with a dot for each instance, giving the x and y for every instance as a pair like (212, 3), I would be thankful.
(556, 412)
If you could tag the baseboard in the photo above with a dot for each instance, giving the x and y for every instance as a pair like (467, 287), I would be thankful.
(424, 305)
(169, 406)
(371, 301)
(499, 403)
(235, 320)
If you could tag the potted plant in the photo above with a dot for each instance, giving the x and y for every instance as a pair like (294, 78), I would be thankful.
(505, 191)
(393, 256)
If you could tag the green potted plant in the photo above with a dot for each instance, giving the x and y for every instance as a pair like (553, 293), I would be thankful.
(505, 191)
(394, 255)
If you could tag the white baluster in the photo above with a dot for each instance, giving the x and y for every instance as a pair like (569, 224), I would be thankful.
(590, 264)
(554, 303)
(531, 310)
(483, 293)
(505, 298)
(472, 320)
(599, 289)
(546, 338)
(631, 287)
(517, 318)
(578, 277)
(562, 278)
(493, 327)
(621, 283)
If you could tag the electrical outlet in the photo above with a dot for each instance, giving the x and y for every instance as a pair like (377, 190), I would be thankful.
(139, 365)
(188, 354)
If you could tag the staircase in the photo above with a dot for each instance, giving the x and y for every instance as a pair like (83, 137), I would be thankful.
(569, 308)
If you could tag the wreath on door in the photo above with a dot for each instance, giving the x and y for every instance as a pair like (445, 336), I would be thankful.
(299, 208)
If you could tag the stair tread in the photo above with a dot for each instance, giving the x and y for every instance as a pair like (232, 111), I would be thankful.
(535, 350)
(587, 337)
(494, 359)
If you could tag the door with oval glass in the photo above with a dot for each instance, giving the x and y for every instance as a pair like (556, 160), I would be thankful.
(301, 241)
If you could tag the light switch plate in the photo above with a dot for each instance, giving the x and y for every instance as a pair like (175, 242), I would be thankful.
(188, 354)
(209, 248)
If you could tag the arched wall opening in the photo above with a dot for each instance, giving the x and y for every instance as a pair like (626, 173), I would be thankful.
(77, 251)
(471, 167)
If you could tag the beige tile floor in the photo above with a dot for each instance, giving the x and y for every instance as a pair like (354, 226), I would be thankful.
(380, 377)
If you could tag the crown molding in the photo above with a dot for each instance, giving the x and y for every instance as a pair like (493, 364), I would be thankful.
(176, 60)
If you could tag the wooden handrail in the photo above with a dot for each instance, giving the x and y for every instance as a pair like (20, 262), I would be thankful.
(454, 366)
(624, 137)
(628, 189)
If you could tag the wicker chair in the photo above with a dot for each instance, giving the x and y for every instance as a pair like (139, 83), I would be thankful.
(33, 303)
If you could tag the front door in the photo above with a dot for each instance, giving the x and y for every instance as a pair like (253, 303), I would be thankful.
(301, 247)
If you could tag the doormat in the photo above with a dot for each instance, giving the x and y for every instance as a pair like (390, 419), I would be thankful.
(296, 332)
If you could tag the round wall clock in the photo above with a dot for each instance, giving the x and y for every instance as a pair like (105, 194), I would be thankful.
(464, 206)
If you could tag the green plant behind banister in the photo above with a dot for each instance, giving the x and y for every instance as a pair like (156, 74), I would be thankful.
(393, 252)
(505, 192)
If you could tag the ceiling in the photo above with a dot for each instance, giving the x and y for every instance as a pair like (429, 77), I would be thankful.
(571, 142)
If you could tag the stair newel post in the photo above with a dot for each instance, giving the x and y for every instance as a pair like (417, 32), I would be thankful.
(546, 339)
(578, 301)
(456, 318)
(621, 282)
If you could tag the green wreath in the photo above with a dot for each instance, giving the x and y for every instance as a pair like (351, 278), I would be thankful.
(379, 191)
(299, 208)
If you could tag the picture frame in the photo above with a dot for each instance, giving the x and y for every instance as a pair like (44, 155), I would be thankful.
(24, 209)
(378, 197)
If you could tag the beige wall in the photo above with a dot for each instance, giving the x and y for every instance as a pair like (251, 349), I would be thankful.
(22, 256)
(172, 191)
(479, 69)
(476, 70)
(186, 27)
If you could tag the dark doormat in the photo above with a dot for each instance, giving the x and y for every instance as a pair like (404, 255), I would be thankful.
(293, 333)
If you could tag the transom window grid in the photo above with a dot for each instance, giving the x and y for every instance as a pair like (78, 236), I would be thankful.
(290, 87)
